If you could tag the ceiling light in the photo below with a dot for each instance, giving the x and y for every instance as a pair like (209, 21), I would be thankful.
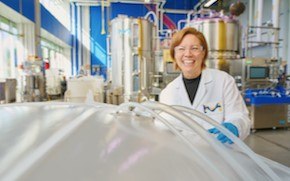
(209, 3)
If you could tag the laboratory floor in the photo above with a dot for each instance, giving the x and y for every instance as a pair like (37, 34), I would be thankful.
(272, 144)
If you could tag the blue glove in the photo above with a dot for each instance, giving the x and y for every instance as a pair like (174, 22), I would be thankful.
(223, 138)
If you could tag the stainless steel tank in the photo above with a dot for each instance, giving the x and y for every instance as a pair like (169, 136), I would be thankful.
(223, 38)
(132, 57)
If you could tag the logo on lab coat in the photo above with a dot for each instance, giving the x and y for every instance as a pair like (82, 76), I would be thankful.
(217, 107)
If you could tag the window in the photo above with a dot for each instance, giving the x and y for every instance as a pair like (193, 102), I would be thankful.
(56, 56)
(8, 48)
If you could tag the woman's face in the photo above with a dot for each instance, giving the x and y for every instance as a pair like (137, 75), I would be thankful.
(189, 55)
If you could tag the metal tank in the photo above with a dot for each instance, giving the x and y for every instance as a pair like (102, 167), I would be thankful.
(223, 37)
(132, 58)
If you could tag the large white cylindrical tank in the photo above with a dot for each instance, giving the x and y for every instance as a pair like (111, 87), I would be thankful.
(66, 141)
(132, 56)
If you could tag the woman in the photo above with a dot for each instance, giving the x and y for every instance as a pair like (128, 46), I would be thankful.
(212, 92)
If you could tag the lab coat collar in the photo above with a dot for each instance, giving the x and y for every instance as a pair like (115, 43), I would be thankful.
(206, 78)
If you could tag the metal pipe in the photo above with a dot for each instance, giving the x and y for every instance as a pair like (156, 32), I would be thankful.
(198, 5)
(250, 19)
(79, 37)
(189, 15)
(258, 15)
(161, 16)
(98, 2)
(92, 4)
(175, 11)
(288, 41)
(37, 25)
(157, 27)
(275, 21)
(154, 17)
(74, 63)
(263, 42)
(78, 1)
(265, 27)
(179, 23)
(86, 38)
(133, 2)
(103, 18)
(116, 1)
(108, 50)
(127, 55)
(193, 12)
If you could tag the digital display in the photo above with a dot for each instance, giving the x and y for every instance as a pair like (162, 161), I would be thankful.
(259, 72)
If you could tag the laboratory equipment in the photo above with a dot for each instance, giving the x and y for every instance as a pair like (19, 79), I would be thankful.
(132, 58)
(256, 72)
(32, 81)
(8, 90)
(268, 107)
(223, 36)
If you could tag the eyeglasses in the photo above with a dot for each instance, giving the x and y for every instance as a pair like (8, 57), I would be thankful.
(194, 49)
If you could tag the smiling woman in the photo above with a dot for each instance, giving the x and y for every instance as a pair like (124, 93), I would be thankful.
(209, 91)
(189, 61)
(192, 39)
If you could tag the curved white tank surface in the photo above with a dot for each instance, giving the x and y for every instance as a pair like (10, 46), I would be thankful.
(66, 141)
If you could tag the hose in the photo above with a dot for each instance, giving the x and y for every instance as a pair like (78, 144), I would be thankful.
(235, 139)
(176, 132)
(204, 134)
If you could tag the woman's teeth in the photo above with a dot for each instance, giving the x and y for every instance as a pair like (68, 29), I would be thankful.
(188, 62)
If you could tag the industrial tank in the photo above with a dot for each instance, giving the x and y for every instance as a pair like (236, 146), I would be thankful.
(66, 141)
(223, 37)
(132, 57)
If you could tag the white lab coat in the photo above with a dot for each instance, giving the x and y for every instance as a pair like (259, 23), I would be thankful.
(217, 96)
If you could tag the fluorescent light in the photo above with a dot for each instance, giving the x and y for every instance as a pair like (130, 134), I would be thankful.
(209, 3)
